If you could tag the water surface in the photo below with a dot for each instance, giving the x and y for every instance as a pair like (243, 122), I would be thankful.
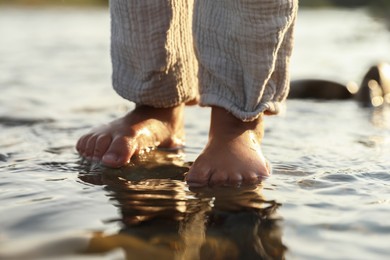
(328, 198)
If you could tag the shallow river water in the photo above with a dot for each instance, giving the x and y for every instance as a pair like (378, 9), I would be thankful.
(328, 197)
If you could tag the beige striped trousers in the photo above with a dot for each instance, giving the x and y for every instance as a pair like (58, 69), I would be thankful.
(229, 53)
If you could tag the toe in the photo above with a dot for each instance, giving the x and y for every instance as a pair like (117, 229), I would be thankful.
(251, 178)
(119, 152)
(235, 179)
(219, 178)
(198, 176)
(81, 143)
(90, 147)
(102, 144)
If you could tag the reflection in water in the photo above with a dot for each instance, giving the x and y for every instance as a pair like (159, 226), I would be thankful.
(331, 159)
(380, 117)
(162, 218)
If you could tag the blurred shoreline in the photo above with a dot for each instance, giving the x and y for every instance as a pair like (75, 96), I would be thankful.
(56, 3)
(303, 3)
(379, 9)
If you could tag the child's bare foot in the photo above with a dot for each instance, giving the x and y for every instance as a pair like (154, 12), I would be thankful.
(138, 131)
(233, 154)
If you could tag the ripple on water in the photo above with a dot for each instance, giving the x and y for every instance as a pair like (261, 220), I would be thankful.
(15, 121)
(314, 184)
(330, 183)
(3, 157)
(339, 177)
(290, 169)
(383, 176)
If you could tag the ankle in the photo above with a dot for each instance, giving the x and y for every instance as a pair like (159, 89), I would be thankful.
(222, 121)
(169, 115)
(167, 112)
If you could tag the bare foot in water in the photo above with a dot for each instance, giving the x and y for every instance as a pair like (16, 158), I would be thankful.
(138, 131)
(233, 155)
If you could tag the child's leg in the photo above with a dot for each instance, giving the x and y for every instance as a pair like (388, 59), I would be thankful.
(243, 49)
(153, 66)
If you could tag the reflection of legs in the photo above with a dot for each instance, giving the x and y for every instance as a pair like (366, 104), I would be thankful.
(153, 66)
(243, 49)
(193, 230)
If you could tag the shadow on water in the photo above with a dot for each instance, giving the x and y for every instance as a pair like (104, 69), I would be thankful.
(162, 217)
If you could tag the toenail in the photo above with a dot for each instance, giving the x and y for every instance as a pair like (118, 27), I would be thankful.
(110, 157)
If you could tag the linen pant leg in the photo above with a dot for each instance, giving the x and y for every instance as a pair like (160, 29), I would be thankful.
(243, 49)
(152, 51)
(279, 83)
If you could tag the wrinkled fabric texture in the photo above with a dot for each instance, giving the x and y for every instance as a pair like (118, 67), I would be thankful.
(231, 53)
